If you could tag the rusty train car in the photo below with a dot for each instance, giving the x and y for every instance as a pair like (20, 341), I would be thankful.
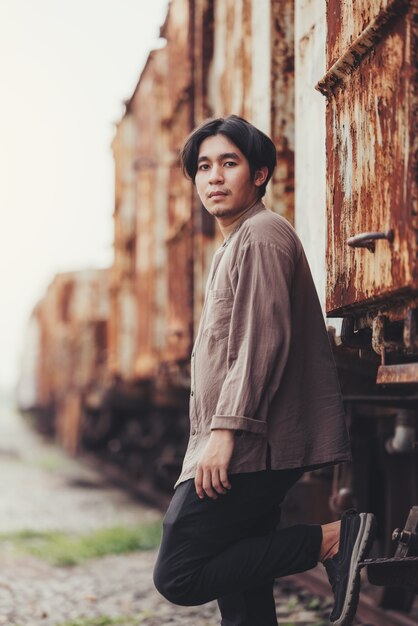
(335, 86)
(66, 354)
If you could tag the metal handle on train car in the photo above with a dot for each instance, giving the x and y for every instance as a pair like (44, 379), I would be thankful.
(367, 240)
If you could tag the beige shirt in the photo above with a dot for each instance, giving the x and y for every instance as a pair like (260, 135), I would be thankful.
(262, 363)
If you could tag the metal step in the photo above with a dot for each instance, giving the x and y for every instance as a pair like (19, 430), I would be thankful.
(393, 572)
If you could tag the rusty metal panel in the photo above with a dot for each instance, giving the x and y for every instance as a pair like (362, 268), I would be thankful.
(230, 77)
(163, 108)
(397, 374)
(282, 105)
(72, 317)
(204, 228)
(179, 242)
(178, 34)
(347, 20)
(147, 113)
(179, 270)
(146, 362)
(371, 158)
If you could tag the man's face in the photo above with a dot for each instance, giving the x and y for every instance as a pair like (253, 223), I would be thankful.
(223, 180)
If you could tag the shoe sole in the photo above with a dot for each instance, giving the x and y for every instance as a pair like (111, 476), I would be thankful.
(361, 549)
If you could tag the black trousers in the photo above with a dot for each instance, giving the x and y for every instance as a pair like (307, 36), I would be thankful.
(230, 549)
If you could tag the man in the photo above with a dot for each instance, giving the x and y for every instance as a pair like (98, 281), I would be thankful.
(265, 404)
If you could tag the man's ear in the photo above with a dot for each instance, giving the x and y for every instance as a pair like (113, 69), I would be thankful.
(260, 176)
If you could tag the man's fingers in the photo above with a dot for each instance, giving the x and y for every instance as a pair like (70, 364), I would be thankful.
(217, 482)
(199, 482)
(207, 484)
(203, 483)
(211, 482)
(224, 478)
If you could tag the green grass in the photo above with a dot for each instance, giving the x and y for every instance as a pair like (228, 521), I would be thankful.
(314, 604)
(51, 462)
(292, 603)
(68, 549)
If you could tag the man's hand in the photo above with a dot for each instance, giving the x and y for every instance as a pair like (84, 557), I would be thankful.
(212, 470)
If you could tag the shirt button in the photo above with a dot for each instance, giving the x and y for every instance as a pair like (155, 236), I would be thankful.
(192, 393)
(192, 354)
(193, 431)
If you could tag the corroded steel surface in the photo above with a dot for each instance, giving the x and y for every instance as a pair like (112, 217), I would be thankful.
(347, 20)
(362, 45)
(230, 80)
(396, 374)
(371, 180)
(73, 319)
(283, 106)
(123, 315)
(162, 106)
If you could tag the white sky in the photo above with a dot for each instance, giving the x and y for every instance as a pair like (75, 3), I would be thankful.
(65, 68)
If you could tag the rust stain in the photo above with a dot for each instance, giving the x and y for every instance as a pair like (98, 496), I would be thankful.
(368, 152)
(232, 58)
(283, 107)
(73, 319)
(347, 20)
(396, 374)
(360, 47)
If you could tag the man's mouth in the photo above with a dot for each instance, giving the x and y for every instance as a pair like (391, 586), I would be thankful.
(214, 194)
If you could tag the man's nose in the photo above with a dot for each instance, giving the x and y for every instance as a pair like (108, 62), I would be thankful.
(216, 174)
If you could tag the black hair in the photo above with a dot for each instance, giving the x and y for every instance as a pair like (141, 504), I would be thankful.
(258, 149)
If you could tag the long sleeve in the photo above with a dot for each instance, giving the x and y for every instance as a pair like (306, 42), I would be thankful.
(259, 337)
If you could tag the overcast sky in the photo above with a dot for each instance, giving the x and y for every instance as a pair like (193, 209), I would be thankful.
(65, 68)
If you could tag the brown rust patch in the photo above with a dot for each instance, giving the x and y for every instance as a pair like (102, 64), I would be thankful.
(363, 45)
(282, 107)
(396, 374)
(368, 130)
(347, 20)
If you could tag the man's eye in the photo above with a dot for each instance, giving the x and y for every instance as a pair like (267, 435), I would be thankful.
(204, 166)
(230, 163)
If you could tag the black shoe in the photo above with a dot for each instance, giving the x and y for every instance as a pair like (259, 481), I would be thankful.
(356, 538)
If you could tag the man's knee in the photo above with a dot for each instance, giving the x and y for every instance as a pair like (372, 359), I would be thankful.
(173, 586)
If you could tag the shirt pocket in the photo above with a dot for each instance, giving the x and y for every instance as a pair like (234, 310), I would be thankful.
(218, 318)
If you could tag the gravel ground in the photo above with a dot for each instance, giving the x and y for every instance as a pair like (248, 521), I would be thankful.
(42, 489)
(119, 587)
